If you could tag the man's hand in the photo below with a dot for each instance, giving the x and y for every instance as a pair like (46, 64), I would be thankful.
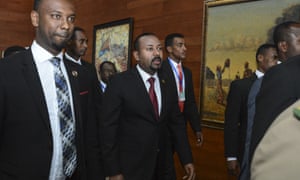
(190, 172)
(116, 177)
(233, 167)
(199, 138)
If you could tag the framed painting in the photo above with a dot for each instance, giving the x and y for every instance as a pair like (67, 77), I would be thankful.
(112, 42)
(233, 30)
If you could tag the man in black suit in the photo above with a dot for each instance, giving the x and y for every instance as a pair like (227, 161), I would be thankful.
(31, 119)
(133, 128)
(89, 98)
(280, 87)
(106, 70)
(236, 112)
(181, 81)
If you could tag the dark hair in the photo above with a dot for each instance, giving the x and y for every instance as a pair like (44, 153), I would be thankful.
(263, 48)
(170, 38)
(281, 31)
(137, 39)
(107, 62)
(12, 50)
(36, 4)
(76, 28)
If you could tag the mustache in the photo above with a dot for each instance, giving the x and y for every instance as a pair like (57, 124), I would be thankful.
(157, 58)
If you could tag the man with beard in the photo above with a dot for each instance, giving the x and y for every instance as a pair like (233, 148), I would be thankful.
(137, 108)
(39, 102)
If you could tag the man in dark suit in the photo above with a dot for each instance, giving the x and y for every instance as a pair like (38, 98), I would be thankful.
(279, 87)
(236, 112)
(33, 124)
(134, 124)
(106, 70)
(181, 81)
(89, 98)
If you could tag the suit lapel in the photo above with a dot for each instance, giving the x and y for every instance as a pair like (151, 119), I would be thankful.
(140, 85)
(32, 78)
(73, 78)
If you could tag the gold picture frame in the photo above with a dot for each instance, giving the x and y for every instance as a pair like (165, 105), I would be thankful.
(233, 30)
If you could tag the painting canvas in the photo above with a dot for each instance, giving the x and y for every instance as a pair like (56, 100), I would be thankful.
(112, 42)
(233, 32)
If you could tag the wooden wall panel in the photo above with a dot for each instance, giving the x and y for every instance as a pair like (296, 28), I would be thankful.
(158, 16)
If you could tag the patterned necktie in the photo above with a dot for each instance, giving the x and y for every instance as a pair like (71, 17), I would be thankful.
(153, 96)
(180, 87)
(67, 123)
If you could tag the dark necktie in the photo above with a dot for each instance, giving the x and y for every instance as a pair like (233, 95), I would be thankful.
(67, 123)
(153, 96)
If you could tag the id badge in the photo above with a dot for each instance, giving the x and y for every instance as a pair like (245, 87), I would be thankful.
(181, 96)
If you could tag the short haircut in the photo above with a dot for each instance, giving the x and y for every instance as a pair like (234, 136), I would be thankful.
(36, 4)
(262, 49)
(107, 62)
(13, 49)
(76, 28)
(137, 39)
(170, 38)
(281, 31)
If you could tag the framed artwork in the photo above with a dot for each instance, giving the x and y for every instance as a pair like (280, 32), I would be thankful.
(233, 30)
(112, 42)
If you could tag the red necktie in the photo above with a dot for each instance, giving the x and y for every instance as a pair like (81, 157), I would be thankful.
(180, 86)
(153, 97)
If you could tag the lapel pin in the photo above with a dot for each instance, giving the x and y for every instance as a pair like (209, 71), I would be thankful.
(75, 73)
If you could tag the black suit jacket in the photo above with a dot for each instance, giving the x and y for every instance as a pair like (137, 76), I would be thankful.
(132, 139)
(280, 88)
(89, 101)
(235, 125)
(190, 111)
(25, 135)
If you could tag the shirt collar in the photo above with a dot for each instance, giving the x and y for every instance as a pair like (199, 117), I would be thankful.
(145, 76)
(41, 55)
(174, 62)
(72, 59)
(259, 74)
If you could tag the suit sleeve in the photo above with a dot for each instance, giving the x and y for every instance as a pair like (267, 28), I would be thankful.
(94, 156)
(191, 112)
(110, 117)
(177, 127)
(232, 118)
(278, 91)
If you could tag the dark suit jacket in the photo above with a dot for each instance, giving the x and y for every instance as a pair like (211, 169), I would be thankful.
(25, 135)
(132, 139)
(235, 125)
(280, 88)
(190, 111)
(89, 100)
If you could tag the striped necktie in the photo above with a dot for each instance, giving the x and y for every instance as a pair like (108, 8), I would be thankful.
(67, 122)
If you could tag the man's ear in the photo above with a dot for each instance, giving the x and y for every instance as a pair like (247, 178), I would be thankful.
(169, 49)
(34, 18)
(136, 55)
(260, 58)
(282, 46)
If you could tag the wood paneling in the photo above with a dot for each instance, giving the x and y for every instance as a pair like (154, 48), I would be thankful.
(158, 16)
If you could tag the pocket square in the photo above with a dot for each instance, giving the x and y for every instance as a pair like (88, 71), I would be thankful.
(84, 92)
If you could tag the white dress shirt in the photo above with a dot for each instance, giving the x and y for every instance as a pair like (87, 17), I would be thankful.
(145, 76)
(72, 59)
(45, 69)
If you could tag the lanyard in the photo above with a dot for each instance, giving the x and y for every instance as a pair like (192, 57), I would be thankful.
(180, 80)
